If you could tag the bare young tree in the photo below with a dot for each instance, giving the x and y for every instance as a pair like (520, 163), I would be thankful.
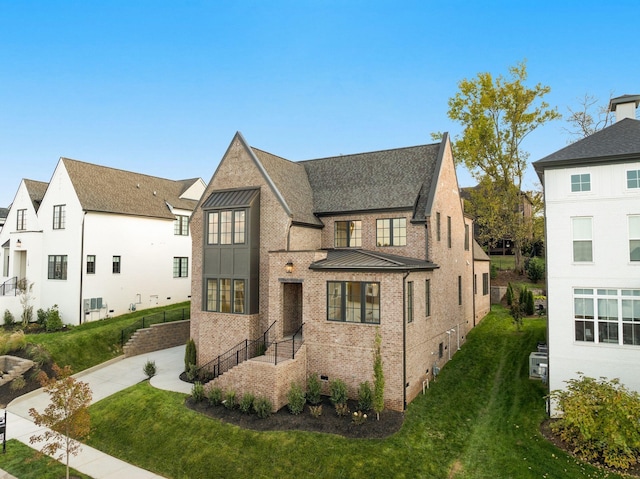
(588, 117)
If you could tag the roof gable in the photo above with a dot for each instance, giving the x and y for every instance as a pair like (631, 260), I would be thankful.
(618, 142)
(110, 190)
(36, 190)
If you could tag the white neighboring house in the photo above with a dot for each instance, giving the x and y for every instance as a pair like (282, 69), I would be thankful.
(592, 211)
(98, 242)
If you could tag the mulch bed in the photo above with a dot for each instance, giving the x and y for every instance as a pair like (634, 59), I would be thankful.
(329, 422)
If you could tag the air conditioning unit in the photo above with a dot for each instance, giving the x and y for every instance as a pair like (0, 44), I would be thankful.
(538, 365)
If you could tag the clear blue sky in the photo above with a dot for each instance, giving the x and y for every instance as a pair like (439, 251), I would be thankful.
(161, 87)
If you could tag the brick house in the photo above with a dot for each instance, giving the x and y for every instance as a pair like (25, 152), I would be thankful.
(317, 256)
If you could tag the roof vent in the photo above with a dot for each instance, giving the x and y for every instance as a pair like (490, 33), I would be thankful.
(154, 193)
(624, 106)
(138, 185)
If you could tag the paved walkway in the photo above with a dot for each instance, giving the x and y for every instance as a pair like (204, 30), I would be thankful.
(105, 379)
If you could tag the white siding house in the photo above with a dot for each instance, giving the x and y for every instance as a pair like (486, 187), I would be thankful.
(98, 242)
(592, 211)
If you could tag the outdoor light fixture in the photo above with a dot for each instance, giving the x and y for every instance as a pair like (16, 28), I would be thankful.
(288, 267)
(18, 244)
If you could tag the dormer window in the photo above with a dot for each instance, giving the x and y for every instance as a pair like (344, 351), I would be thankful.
(348, 234)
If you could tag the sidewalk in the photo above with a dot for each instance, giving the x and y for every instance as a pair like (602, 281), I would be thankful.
(104, 380)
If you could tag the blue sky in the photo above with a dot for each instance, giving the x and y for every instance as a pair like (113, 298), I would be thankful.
(161, 87)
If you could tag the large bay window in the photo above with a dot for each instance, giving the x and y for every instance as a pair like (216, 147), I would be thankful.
(609, 312)
(353, 302)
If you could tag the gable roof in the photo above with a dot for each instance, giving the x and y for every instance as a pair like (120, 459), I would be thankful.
(379, 180)
(478, 253)
(363, 260)
(110, 190)
(36, 190)
(4, 212)
(618, 142)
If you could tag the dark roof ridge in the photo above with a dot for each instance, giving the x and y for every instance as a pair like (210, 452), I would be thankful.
(272, 154)
(369, 152)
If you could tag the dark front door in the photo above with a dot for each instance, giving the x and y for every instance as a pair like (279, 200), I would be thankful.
(292, 308)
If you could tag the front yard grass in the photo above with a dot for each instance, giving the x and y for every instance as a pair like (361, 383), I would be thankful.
(479, 419)
(23, 462)
(94, 342)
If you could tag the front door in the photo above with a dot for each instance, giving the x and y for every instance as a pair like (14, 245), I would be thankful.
(291, 308)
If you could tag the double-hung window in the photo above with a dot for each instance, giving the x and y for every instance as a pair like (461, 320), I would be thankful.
(583, 313)
(582, 239)
(181, 225)
(630, 306)
(391, 232)
(115, 265)
(634, 238)
(581, 182)
(58, 217)
(180, 267)
(353, 302)
(348, 234)
(21, 220)
(57, 267)
(91, 264)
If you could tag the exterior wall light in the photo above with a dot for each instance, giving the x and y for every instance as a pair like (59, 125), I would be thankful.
(289, 267)
(18, 244)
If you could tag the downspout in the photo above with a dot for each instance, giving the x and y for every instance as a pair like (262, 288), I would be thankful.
(81, 266)
(404, 339)
(474, 282)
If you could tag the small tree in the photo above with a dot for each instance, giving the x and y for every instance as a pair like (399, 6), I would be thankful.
(66, 417)
(190, 354)
(378, 376)
(535, 269)
(25, 292)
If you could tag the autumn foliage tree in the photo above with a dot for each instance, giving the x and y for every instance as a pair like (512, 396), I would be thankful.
(66, 418)
(497, 114)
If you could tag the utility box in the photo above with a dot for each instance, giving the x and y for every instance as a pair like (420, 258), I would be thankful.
(538, 364)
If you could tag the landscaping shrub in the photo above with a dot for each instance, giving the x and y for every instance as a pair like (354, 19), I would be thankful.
(338, 392)
(197, 392)
(493, 272)
(54, 321)
(296, 399)
(509, 295)
(15, 341)
(530, 304)
(342, 409)
(316, 411)
(365, 396)
(314, 388)
(17, 384)
(192, 372)
(600, 420)
(190, 356)
(378, 376)
(358, 418)
(41, 316)
(38, 354)
(149, 369)
(229, 399)
(9, 320)
(246, 403)
(535, 269)
(215, 396)
(262, 406)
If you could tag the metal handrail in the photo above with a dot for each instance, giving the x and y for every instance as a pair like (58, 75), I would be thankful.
(241, 352)
(154, 318)
(8, 286)
(296, 341)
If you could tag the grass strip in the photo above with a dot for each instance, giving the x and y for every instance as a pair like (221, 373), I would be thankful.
(24, 462)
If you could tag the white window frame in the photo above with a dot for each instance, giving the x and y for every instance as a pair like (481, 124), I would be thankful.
(634, 238)
(579, 235)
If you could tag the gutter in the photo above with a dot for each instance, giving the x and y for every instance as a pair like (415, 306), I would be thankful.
(84, 215)
(404, 339)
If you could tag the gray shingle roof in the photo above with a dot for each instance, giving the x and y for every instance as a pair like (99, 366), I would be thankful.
(109, 190)
(291, 181)
(36, 191)
(380, 180)
(618, 142)
(478, 253)
(362, 260)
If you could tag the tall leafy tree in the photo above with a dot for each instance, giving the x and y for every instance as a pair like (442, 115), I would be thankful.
(66, 417)
(497, 114)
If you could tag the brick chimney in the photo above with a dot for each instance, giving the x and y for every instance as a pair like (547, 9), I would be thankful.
(624, 106)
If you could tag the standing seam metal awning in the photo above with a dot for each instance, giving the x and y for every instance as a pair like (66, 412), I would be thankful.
(231, 198)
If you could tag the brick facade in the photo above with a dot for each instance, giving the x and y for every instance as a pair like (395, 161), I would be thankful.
(340, 350)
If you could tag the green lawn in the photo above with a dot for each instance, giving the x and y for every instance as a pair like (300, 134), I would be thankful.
(93, 343)
(479, 419)
(24, 463)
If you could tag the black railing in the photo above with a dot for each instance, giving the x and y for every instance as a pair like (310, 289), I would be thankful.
(285, 348)
(9, 287)
(155, 318)
(241, 352)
